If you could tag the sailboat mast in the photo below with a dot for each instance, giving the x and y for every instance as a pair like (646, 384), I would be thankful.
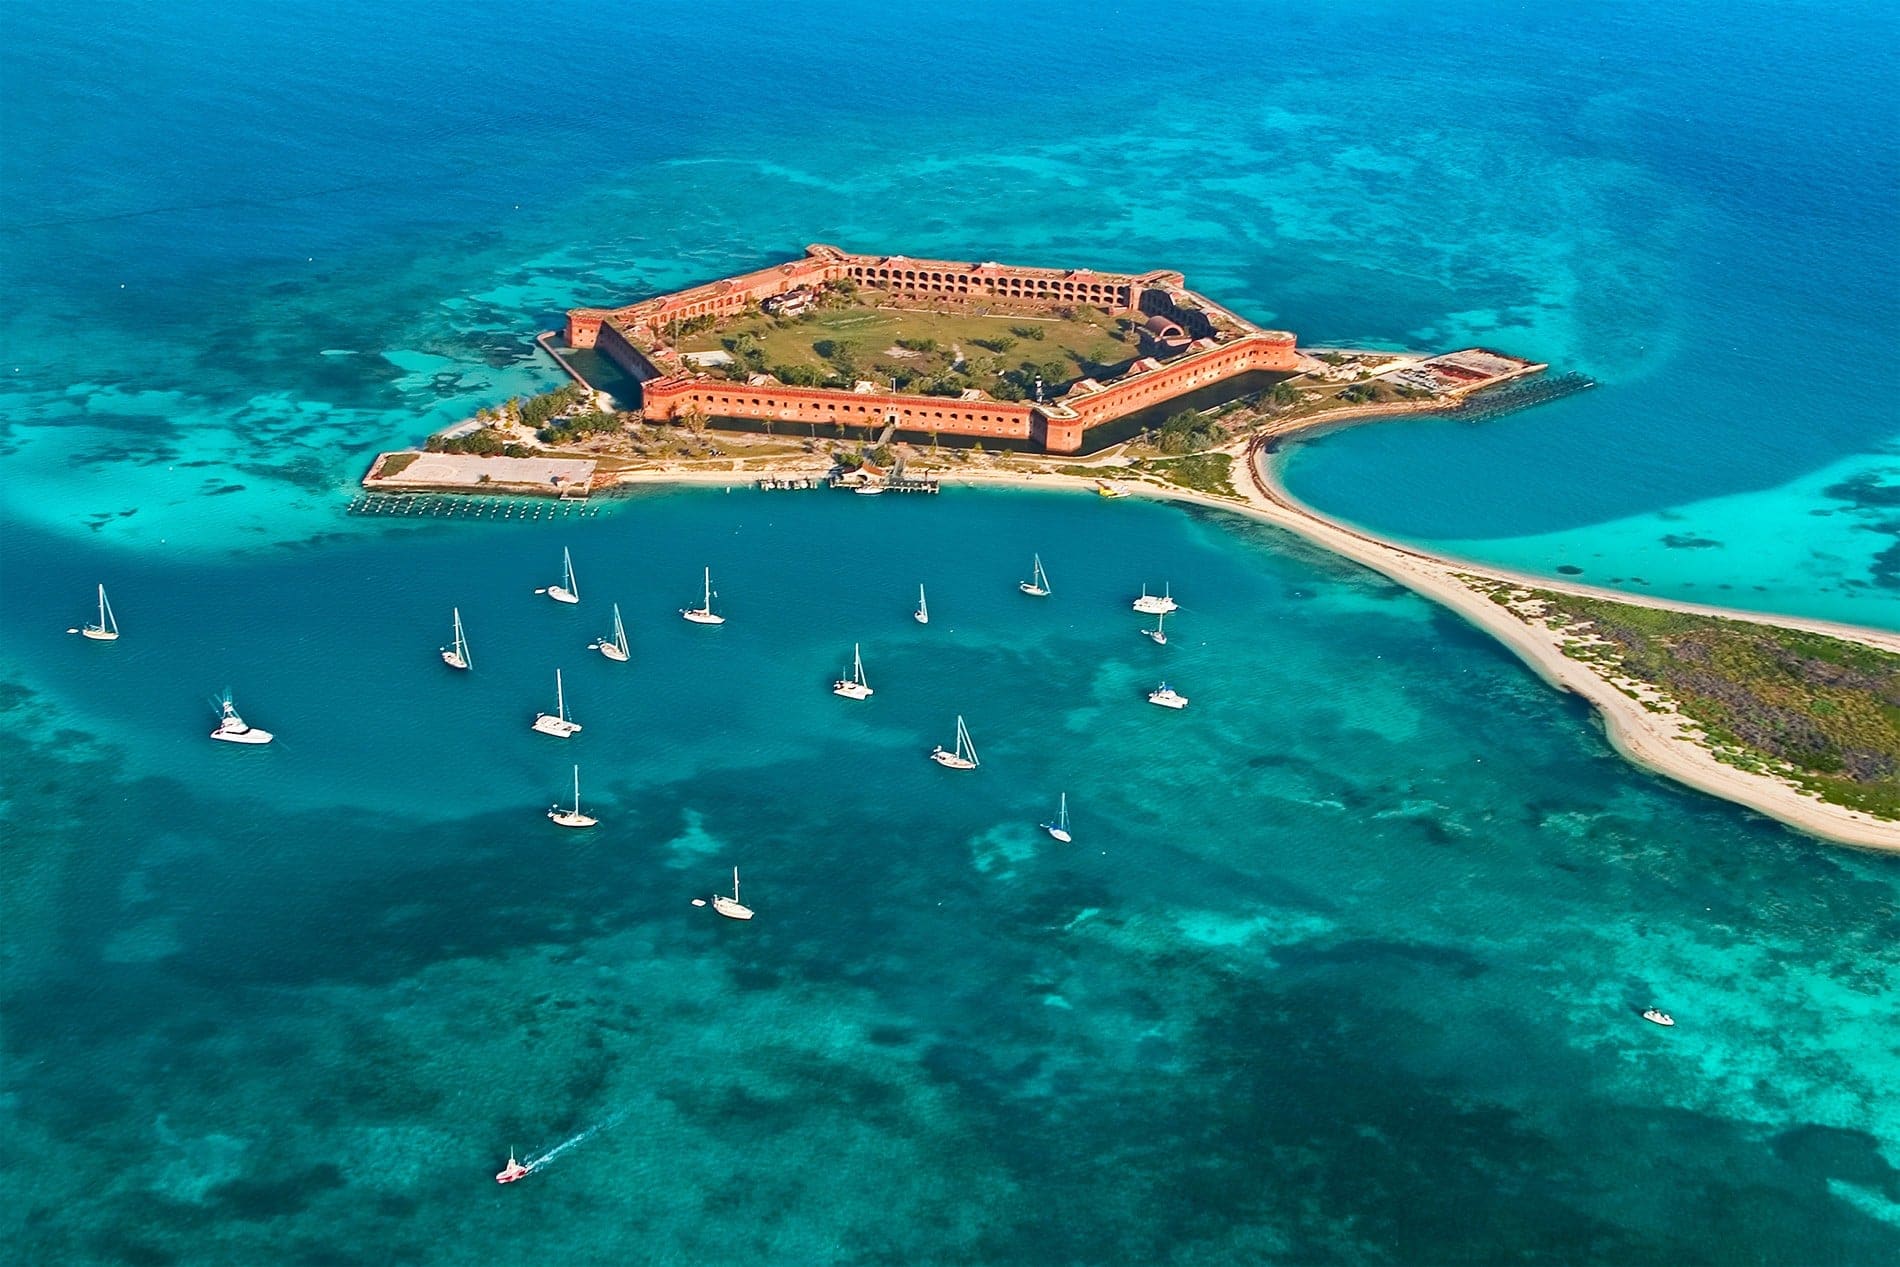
(708, 599)
(735, 884)
(560, 697)
(577, 789)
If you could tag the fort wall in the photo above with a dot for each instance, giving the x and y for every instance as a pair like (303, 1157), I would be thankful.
(1226, 346)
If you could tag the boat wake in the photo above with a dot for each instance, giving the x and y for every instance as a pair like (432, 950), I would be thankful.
(537, 1163)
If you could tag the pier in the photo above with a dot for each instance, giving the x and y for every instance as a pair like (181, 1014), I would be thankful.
(498, 509)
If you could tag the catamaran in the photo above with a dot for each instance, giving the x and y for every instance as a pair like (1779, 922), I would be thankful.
(1037, 586)
(456, 655)
(731, 907)
(922, 614)
(1167, 697)
(107, 630)
(853, 687)
(556, 723)
(231, 727)
(1060, 828)
(572, 817)
(704, 614)
(569, 590)
(614, 648)
(513, 1170)
(1156, 604)
(1159, 633)
(964, 758)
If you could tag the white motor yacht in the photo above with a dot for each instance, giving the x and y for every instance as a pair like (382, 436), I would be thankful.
(1167, 697)
(231, 727)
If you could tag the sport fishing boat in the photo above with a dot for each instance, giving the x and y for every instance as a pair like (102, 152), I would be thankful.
(704, 614)
(1167, 697)
(513, 1170)
(853, 687)
(557, 723)
(231, 727)
(964, 758)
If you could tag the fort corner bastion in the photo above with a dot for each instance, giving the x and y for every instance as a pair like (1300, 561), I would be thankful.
(1179, 341)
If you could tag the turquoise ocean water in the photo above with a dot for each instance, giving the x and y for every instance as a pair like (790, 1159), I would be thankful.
(1345, 961)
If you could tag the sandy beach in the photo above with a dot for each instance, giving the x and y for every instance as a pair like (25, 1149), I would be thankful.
(1657, 741)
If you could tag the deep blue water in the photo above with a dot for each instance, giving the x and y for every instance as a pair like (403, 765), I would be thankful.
(1345, 961)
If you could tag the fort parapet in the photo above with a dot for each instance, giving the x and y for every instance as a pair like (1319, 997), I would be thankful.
(1197, 343)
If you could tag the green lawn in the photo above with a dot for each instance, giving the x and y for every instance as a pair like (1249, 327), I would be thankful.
(1089, 344)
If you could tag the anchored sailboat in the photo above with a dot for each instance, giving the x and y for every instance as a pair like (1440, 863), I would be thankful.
(231, 727)
(556, 723)
(964, 758)
(922, 614)
(1037, 586)
(731, 907)
(456, 655)
(572, 817)
(616, 647)
(569, 590)
(704, 614)
(1158, 633)
(853, 687)
(107, 630)
(1155, 604)
(1060, 828)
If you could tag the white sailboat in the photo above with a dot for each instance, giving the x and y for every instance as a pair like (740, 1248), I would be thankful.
(1167, 697)
(1037, 586)
(922, 614)
(1156, 604)
(1060, 828)
(616, 647)
(704, 614)
(456, 655)
(731, 907)
(572, 817)
(1159, 633)
(556, 723)
(231, 727)
(569, 590)
(107, 630)
(853, 687)
(964, 758)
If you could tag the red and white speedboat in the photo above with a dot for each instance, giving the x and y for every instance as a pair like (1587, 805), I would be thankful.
(513, 1170)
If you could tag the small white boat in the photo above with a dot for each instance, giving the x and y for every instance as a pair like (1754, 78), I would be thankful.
(569, 590)
(731, 907)
(964, 758)
(572, 817)
(557, 723)
(704, 614)
(1156, 604)
(1656, 1016)
(1167, 697)
(456, 654)
(868, 489)
(922, 614)
(1060, 828)
(853, 687)
(1037, 586)
(231, 727)
(107, 627)
(614, 648)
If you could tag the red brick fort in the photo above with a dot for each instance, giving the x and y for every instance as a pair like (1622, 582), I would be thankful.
(1195, 342)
